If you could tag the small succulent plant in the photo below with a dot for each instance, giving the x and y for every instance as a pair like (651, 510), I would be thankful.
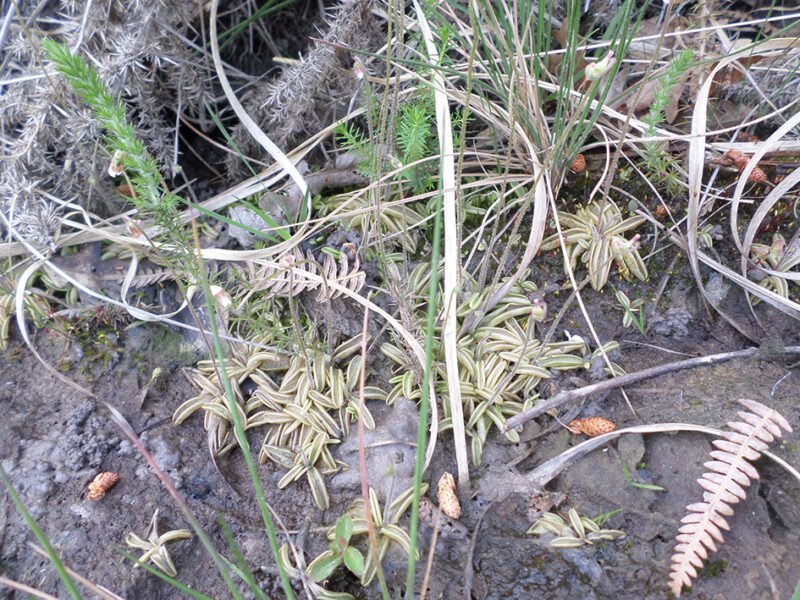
(155, 546)
(594, 234)
(778, 256)
(245, 362)
(501, 363)
(307, 413)
(579, 532)
(396, 222)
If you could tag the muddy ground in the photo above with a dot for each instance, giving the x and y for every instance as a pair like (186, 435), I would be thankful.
(54, 441)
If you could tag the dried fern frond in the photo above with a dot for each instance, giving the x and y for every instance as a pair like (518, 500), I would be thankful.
(724, 482)
(287, 282)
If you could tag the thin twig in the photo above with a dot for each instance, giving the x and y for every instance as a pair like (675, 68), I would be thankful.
(94, 587)
(567, 396)
(468, 569)
(437, 523)
(546, 472)
(16, 585)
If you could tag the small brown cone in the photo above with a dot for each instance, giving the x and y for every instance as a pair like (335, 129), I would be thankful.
(757, 176)
(592, 426)
(579, 164)
(100, 485)
(448, 501)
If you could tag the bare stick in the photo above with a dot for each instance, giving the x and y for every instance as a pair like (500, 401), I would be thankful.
(615, 382)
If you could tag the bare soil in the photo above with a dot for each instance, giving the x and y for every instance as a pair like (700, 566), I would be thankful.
(54, 441)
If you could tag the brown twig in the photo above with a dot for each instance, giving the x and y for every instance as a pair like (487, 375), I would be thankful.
(468, 568)
(437, 523)
(567, 396)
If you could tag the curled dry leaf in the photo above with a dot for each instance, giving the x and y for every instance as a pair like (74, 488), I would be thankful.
(448, 501)
(723, 484)
(591, 426)
(100, 485)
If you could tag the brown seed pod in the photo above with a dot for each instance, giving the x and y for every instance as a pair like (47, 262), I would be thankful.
(591, 426)
(661, 212)
(579, 164)
(757, 176)
(448, 501)
(100, 484)
(740, 160)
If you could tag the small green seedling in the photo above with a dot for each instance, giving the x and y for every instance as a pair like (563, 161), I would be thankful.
(601, 519)
(578, 532)
(634, 311)
(644, 486)
(340, 551)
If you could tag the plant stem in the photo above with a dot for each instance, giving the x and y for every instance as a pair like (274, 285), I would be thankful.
(34, 527)
(422, 427)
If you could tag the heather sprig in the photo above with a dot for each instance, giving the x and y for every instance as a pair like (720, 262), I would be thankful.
(657, 162)
(662, 97)
(151, 197)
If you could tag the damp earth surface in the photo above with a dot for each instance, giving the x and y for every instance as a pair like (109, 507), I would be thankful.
(55, 441)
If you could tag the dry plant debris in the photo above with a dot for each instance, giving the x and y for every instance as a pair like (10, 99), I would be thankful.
(286, 282)
(101, 484)
(724, 482)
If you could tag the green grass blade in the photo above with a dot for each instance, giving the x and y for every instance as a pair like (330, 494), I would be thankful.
(243, 571)
(422, 427)
(170, 580)
(210, 213)
(34, 527)
(239, 426)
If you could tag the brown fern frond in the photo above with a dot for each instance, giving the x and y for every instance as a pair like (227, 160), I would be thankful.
(724, 482)
(341, 273)
(286, 281)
